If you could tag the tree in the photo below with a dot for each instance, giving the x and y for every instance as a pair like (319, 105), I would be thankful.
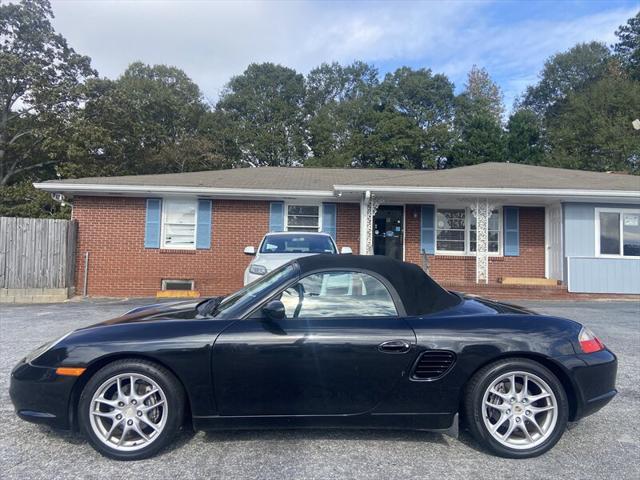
(478, 130)
(592, 130)
(484, 92)
(428, 101)
(387, 139)
(524, 141)
(403, 122)
(628, 47)
(337, 99)
(564, 73)
(22, 200)
(263, 108)
(479, 137)
(126, 123)
(41, 80)
(333, 83)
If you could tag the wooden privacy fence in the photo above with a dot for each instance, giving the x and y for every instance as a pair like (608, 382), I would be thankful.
(35, 255)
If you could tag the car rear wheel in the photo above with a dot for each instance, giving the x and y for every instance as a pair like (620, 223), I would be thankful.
(130, 409)
(517, 408)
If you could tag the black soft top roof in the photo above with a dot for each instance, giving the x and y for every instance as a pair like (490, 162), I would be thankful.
(419, 293)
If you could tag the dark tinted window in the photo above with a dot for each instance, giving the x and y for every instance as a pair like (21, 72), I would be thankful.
(609, 233)
(297, 244)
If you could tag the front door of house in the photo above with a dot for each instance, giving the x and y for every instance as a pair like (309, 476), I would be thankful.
(388, 231)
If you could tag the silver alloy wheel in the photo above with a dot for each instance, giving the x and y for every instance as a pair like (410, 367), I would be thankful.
(519, 410)
(128, 412)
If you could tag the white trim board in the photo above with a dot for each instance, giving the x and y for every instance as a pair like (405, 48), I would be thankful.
(490, 191)
(155, 190)
(335, 193)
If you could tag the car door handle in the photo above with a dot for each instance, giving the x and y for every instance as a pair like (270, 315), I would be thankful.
(394, 346)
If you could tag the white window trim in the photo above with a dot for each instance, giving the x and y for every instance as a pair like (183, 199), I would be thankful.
(163, 245)
(467, 233)
(166, 281)
(302, 203)
(621, 212)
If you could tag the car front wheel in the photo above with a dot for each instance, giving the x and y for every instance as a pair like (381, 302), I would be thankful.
(516, 408)
(130, 409)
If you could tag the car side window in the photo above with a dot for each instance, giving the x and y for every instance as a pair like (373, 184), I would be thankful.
(338, 294)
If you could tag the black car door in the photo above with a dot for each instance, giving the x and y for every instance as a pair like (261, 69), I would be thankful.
(343, 345)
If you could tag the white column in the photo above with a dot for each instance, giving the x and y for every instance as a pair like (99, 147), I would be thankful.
(368, 208)
(481, 210)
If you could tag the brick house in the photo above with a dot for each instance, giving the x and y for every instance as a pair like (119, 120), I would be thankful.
(477, 224)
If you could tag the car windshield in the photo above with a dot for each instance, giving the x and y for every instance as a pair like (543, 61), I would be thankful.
(254, 290)
(299, 243)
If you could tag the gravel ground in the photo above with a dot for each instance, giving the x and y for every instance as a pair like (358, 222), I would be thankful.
(605, 445)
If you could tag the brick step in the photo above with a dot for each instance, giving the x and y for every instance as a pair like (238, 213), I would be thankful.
(526, 281)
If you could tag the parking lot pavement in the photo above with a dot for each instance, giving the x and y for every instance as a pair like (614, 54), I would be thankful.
(605, 445)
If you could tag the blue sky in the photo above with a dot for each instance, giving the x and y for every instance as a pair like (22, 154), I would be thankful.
(212, 41)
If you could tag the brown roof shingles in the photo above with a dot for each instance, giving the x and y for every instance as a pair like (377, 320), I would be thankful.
(485, 175)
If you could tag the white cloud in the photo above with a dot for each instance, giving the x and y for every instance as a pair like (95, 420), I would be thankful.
(212, 41)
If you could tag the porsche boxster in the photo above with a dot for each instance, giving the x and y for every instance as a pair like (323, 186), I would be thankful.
(335, 341)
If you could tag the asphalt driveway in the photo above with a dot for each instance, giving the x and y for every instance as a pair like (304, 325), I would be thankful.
(605, 445)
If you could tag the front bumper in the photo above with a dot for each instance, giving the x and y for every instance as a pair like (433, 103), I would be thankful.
(39, 395)
(593, 377)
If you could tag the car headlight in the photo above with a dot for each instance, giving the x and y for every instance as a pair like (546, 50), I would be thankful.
(42, 349)
(258, 269)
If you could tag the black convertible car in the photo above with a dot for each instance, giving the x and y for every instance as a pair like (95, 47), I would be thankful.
(323, 341)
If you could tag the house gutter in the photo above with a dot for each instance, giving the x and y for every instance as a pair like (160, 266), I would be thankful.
(490, 191)
(338, 190)
(76, 188)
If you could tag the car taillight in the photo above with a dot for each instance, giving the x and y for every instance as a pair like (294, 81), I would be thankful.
(589, 342)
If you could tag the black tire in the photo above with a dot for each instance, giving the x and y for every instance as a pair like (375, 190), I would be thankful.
(474, 414)
(169, 385)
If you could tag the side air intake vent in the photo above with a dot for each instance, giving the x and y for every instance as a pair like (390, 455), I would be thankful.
(433, 364)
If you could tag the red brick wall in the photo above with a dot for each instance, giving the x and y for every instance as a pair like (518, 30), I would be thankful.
(111, 229)
(458, 269)
(348, 226)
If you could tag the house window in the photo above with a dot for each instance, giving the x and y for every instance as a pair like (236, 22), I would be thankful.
(456, 231)
(179, 224)
(618, 232)
(493, 233)
(303, 218)
(451, 227)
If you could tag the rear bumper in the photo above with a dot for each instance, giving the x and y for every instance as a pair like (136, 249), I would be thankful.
(593, 376)
(39, 395)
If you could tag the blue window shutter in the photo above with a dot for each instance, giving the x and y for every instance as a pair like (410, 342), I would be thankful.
(427, 230)
(152, 223)
(203, 227)
(276, 217)
(329, 219)
(511, 231)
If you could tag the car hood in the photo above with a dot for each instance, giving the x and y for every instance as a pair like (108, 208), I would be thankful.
(182, 310)
(271, 261)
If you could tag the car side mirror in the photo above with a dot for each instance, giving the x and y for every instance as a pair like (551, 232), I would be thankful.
(274, 310)
(249, 250)
(346, 251)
